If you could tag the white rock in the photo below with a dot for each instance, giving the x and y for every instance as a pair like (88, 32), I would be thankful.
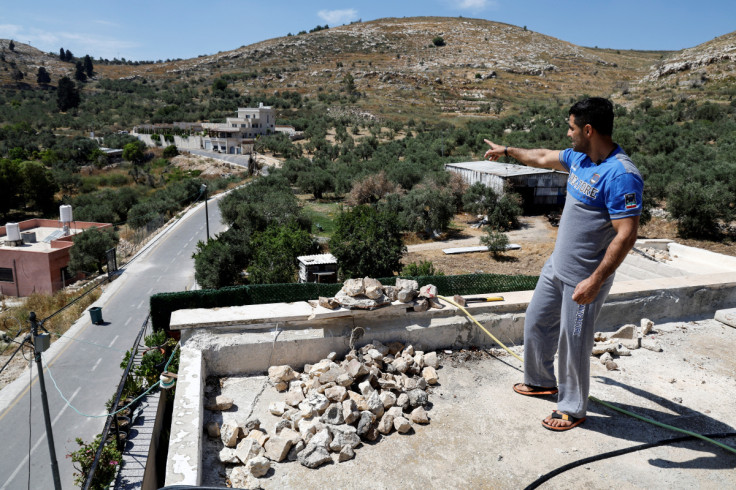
(277, 408)
(323, 438)
(431, 360)
(336, 393)
(248, 449)
(621, 350)
(646, 326)
(294, 397)
(419, 416)
(343, 435)
(625, 332)
(606, 357)
(258, 466)
(227, 455)
(430, 375)
(402, 425)
(388, 399)
(259, 436)
(365, 388)
(318, 401)
(344, 380)
(240, 477)
(221, 402)
(229, 433)
(346, 454)
(277, 448)
(279, 374)
(375, 405)
(386, 424)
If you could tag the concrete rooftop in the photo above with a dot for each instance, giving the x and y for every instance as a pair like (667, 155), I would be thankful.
(482, 434)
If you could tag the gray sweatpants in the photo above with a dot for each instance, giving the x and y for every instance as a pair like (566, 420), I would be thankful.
(555, 322)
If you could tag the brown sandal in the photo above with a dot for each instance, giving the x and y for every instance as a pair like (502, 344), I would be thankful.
(534, 390)
(563, 416)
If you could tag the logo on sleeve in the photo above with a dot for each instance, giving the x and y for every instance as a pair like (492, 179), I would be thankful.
(630, 200)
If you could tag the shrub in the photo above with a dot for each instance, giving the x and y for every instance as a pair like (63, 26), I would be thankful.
(423, 268)
(170, 151)
(438, 41)
(495, 241)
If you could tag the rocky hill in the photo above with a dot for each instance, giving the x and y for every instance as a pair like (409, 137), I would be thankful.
(482, 67)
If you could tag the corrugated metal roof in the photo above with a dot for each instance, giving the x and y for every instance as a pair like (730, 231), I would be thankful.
(317, 259)
(501, 169)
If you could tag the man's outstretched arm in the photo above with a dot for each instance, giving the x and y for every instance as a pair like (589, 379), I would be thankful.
(538, 157)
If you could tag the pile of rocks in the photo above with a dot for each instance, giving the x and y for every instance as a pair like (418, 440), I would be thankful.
(623, 341)
(368, 294)
(329, 408)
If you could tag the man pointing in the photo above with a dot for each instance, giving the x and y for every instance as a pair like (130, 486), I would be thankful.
(598, 228)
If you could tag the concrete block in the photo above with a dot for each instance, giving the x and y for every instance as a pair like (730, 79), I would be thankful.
(727, 317)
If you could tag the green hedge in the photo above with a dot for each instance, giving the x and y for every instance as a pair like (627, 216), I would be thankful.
(163, 304)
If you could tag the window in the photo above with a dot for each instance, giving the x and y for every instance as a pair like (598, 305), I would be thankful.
(6, 274)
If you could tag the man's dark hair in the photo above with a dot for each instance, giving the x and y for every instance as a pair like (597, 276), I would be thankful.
(596, 111)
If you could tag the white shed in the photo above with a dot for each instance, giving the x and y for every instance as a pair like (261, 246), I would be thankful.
(538, 187)
(320, 268)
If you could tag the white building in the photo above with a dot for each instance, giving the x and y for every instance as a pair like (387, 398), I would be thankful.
(237, 134)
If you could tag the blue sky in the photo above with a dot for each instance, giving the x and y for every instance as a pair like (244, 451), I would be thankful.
(161, 29)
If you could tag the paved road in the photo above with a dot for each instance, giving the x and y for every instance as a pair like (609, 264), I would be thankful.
(87, 368)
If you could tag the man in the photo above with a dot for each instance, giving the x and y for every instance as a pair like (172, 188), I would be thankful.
(598, 228)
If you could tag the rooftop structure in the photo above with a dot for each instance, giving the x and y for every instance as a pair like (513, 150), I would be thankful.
(317, 268)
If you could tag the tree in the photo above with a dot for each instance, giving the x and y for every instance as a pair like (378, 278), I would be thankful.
(67, 95)
(215, 265)
(68, 56)
(11, 182)
(348, 83)
(16, 75)
(89, 250)
(11, 45)
(502, 211)
(89, 68)
(62, 54)
(427, 208)
(367, 242)
(275, 251)
(219, 85)
(38, 187)
(79, 74)
(698, 207)
(42, 76)
(316, 181)
(133, 152)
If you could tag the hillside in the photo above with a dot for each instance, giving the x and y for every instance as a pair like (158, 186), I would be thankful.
(395, 64)
(483, 67)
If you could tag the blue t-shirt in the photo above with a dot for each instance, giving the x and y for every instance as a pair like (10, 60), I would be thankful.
(596, 194)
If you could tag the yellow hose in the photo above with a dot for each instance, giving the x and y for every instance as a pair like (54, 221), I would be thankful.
(481, 326)
(591, 397)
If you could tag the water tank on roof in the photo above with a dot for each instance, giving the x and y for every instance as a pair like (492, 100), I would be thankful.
(12, 230)
(65, 210)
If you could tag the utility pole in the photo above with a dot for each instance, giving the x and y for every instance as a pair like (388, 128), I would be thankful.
(40, 344)
(206, 211)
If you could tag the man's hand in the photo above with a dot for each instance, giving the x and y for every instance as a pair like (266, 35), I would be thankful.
(495, 152)
(586, 291)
